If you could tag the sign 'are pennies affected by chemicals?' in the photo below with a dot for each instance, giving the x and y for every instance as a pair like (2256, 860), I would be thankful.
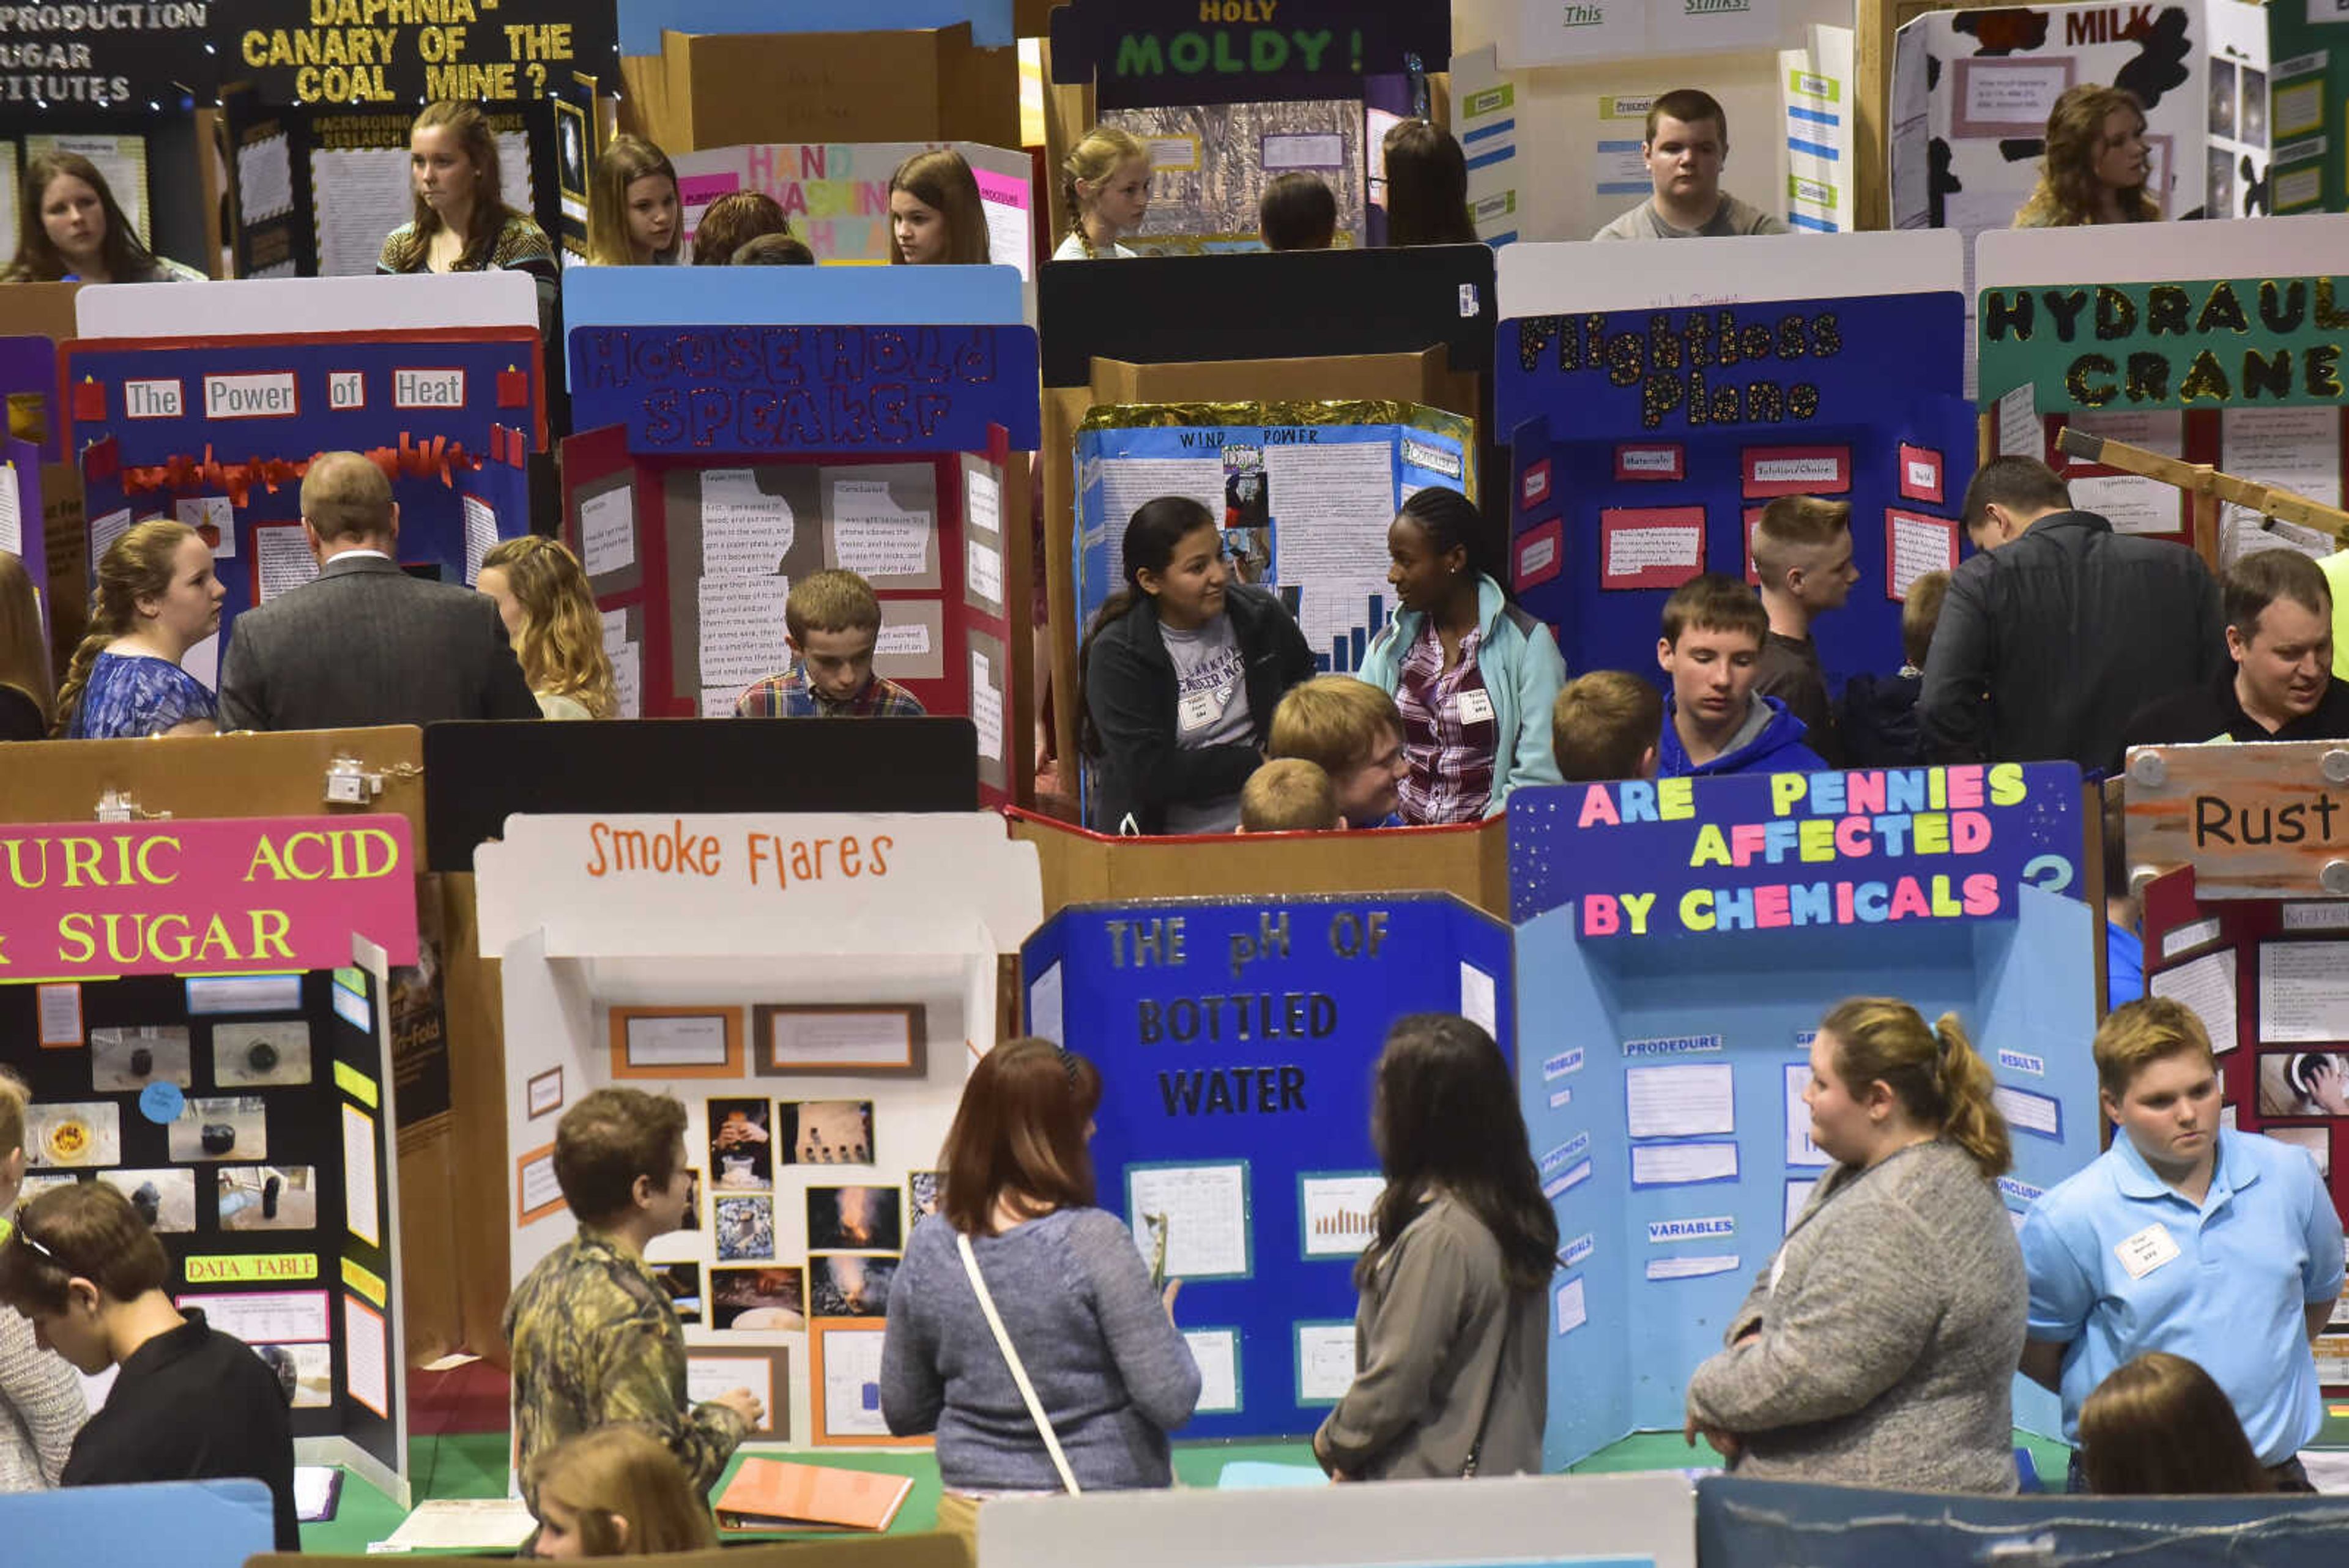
(404, 51)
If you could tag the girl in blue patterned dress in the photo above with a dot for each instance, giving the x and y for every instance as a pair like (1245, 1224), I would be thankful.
(157, 597)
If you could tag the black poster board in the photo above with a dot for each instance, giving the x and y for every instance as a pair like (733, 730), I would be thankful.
(477, 775)
(351, 54)
(1288, 305)
(272, 1193)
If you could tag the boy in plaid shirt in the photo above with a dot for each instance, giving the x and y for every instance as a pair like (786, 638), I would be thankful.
(833, 623)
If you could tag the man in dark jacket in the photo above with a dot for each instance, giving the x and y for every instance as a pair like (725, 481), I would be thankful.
(2281, 685)
(2059, 629)
(364, 643)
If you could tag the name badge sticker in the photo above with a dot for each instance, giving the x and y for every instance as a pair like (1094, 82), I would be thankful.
(1199, 710)
(1475, 706)
(2147, 1250)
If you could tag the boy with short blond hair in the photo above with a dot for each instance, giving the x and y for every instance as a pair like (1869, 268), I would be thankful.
(1802, 553)
(1605, 725)
(1352, 731)
(832, 622)
(2184, 1235)
(1289, 794)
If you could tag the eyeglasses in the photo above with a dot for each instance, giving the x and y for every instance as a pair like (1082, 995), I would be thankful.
(26, 1236)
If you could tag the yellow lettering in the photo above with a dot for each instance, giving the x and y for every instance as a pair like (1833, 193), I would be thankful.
(265, 854)
(2006, 787)
(270, 928)
(1676, 799)
(1696, 910)
(1712, 848)
(147, 873)
(73, 930)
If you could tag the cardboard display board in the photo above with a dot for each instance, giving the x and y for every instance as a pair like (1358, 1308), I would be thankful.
(35, 318)
(837, 194)
(2244, 923)
(813, 989)
(1620, 1521)
(1710, 923)
(1408, 326)
(1236, 1043)
(1972, 91)
(1645, 443)
(887, 450)
(1468, 860)
(207, 1035)
(218, 431)
(822, 73)
(2177, 348)
(1303, 495)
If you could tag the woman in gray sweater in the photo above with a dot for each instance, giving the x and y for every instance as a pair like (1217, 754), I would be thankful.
(1451, 1369)
(1098, 1341)
(1879, 1347)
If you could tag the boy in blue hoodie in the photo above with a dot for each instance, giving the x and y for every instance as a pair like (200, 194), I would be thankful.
(1715, 721)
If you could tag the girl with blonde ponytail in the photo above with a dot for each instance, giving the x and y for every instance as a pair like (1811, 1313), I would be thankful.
(1879, 1347)
(156, 598)
(1105, 185)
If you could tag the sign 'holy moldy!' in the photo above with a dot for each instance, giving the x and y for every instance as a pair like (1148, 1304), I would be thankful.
(1150, 52)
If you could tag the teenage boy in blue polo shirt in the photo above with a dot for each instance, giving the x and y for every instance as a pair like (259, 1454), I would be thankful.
(2219, 1246)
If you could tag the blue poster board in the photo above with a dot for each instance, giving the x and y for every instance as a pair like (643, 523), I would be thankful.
(1629, 422)
(233, 421)
(1676, 947)
(1236, 1043)
(710, 391)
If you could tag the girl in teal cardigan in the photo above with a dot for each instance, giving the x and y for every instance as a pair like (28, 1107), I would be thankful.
(1474, 676)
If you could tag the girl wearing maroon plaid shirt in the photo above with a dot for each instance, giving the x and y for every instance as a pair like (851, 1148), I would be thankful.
(1473, 675)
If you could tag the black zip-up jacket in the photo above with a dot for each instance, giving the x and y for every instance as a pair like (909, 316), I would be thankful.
(1130, 687)
(2051, 643)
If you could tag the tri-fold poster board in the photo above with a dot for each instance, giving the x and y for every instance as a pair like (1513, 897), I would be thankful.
(1645, 443)
(1237, 1042)
(218, 431)
(717, 465)
(2179, 348)
(1302, 492)
(1678, 944)
(203, 1024)
(813, 988)
(2245, 915)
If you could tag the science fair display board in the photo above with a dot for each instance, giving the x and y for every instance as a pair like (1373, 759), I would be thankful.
(1303, 493)
(1550, 103)
(1229, 98)
(2170, 344)
(2244, 923)
(719, 462)
(1645, 442)
(1677, 943)
(836, 194)
(201, 1022)
(813, 988)
(218, 430)
(1972, 91)
(1236, 1041)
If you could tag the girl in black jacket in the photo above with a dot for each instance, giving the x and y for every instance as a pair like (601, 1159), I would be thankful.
(1181, 670)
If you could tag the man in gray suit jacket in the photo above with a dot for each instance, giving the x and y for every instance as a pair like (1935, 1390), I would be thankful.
(366, 643)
